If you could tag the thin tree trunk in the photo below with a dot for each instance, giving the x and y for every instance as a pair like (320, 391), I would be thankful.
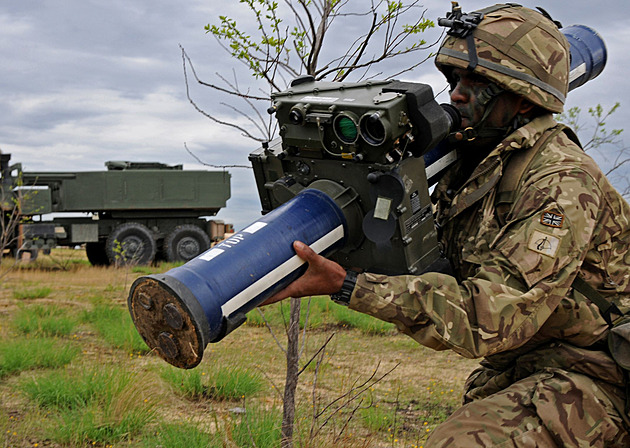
(288, 413)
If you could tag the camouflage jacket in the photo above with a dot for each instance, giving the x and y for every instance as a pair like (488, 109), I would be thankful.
(511, 291)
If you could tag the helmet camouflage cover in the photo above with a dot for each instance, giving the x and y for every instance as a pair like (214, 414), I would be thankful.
(517, 48)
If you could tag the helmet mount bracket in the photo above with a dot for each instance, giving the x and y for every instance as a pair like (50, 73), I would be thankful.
(462, 26)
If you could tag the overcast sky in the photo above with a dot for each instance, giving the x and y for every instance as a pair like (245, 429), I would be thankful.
(86, 81)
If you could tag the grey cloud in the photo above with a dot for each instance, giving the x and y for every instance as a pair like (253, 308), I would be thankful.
(86, 81)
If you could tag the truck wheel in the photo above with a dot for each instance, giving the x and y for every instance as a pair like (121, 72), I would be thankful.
(185, 242)
(96, 254)
(130, 243)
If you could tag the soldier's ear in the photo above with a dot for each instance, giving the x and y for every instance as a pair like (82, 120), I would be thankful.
(525, 106)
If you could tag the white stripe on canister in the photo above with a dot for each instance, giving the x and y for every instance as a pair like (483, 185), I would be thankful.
(577, 72)
(279, 273)
(441, 163)
(211, 254)
(255, 227)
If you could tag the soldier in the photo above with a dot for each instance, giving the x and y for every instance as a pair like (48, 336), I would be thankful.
(539, 244)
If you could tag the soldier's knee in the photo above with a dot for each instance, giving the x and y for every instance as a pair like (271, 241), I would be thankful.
(473, 426)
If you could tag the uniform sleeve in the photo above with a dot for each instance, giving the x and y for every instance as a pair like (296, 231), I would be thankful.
(520, 278)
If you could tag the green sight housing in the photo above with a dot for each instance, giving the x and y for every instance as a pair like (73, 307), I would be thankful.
(373, 121)
(361, 144)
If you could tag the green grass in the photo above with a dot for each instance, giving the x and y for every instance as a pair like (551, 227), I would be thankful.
(43, 321)
(320, 311)
(95, 425)
(257, 427)
(145, 270)
(378, 417)
(360, 321)
(273, 314)
(278, 314)
(225, 383)
(192, 384)
(116, 327)
(63, 390)
(32, 293)
(112, 288)
(61, 259)
(183, 435)
(53, 394)
(99, 406)
(440, 401)
(29, 353)
(233, 383)
(156, 269)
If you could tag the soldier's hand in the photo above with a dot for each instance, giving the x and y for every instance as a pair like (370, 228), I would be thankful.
(323, 276)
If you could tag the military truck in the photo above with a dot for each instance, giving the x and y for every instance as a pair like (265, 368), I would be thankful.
(133, 212)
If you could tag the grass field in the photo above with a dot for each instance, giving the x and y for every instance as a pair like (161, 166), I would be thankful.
(75, 373)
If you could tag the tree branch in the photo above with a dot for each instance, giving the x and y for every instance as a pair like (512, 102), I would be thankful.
(352, 394)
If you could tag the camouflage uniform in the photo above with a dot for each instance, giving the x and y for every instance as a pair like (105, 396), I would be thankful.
(546, 379)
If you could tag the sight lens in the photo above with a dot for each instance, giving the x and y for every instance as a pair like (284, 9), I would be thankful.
(346, 129)
(373, 129)
(296, 117)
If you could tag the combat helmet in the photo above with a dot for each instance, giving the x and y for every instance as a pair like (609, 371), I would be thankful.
(518, 49)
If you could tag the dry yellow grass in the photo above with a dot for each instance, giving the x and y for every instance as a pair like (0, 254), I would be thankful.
(421, 388)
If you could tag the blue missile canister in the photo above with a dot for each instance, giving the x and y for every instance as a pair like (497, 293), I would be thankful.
(366, 202)
(178, 313)
(588, 54)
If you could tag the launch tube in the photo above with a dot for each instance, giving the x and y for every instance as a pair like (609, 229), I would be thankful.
(179, 312)
(588, 54)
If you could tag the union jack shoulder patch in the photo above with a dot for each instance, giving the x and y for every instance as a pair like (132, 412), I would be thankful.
(551, 219)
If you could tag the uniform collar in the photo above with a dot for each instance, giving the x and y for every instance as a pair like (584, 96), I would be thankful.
(489, 171)
(525, 136)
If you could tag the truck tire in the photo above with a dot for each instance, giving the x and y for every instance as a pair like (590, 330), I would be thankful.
(185, 242)
(32, 254)
(130, 243)
(96, 254)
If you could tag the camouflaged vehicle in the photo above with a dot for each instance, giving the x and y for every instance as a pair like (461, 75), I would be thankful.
(132, 212)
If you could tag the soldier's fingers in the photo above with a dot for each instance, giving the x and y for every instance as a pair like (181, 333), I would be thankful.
(304, 251)
(277, 297)
(294, 289)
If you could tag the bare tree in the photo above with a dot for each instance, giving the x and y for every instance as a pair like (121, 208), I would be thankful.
(597, 137)
(302, 37)
(335, 40)
(11, 203)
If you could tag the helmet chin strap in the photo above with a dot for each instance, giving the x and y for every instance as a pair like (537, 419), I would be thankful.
(488, 99)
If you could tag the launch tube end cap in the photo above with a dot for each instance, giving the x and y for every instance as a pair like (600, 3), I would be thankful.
(168, 321)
